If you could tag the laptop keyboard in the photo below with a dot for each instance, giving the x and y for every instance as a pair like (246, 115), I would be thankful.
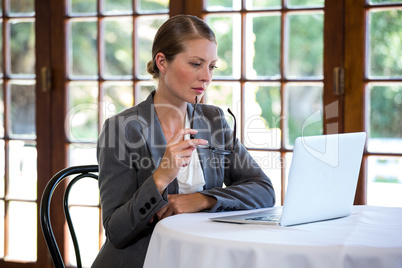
(273, 218)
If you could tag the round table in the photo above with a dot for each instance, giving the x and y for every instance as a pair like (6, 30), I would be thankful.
(371, 237)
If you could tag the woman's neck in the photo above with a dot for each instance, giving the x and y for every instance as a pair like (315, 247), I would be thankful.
(171, 117)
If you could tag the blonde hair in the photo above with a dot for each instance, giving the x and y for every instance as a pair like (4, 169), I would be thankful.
(172, 35)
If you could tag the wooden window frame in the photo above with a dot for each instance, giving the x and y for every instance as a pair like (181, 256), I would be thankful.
(357, 80)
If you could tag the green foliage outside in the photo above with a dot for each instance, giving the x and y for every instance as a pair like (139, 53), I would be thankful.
(304, 60)
(118, 6)
(385, 59)
(265, 97)
(304, 53)
(386, 111)
(117, 62)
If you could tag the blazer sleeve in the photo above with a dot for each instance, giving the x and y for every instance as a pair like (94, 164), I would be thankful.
(129, 197)
(247, 186)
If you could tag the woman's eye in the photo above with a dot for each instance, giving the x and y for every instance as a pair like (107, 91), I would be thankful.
(213, 67)
(196, 64)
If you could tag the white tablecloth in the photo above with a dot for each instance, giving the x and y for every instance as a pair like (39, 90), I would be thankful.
(369, 238)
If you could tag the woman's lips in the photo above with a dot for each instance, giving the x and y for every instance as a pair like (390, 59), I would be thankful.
(199, 90)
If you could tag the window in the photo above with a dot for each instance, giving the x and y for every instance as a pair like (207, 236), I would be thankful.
(383, 95)
(106, 73)
(270, 73)
(18, 154)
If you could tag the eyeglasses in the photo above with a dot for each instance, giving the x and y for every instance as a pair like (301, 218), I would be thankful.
(214, 149)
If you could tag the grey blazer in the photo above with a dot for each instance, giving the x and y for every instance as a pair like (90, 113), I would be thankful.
(130, 148)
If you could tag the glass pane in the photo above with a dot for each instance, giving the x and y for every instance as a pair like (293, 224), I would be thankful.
(226, 95)
(82, 6)
(118, 47)
(385, 49)
(22, 7)
(304, 111)
(2, 213)
(83, 112)
(227, 30)
(118, 6)
(22, 47)
(1, 48)
(86, 222)
(305, 49)
(384, 181)
(22, 168)
(263, 50)
(262, 103)
(384, 1)
(215, 5)
(82, 48)
(157, 6)
(22, 227)
(385, 118)
(22, 109)
(82, 154)
(146, 30)
(2, 168)
(118, 96)
(271, 164)
(85, 192)
(1, 110)
(306, 3)
(263, 4)
(143, 90)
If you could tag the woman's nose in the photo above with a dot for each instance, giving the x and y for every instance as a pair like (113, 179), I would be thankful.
(206, 75)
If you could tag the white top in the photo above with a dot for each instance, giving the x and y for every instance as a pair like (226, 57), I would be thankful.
(371, 237)
(191, 178)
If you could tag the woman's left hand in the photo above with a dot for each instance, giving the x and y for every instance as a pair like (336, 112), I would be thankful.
(185, 203)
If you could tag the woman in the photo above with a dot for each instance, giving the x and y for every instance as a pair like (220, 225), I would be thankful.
(150, 168)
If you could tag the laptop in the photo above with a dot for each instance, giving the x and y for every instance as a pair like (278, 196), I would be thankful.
(322, 182)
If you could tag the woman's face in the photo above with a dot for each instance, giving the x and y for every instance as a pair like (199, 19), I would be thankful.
(190, 72)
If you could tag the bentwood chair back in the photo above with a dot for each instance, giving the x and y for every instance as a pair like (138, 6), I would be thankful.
(78, 173)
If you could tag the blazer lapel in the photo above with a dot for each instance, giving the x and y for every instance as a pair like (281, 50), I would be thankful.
(152, 130)
(154, 137)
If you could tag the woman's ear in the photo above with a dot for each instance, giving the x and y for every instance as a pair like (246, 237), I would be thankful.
(160, 61)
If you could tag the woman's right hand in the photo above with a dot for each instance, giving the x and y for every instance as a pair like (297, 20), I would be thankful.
(177, 155)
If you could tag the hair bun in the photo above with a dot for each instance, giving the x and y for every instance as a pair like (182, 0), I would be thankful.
(151, 69)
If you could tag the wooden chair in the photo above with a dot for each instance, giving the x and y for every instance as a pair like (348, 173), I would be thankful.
(78, 172)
